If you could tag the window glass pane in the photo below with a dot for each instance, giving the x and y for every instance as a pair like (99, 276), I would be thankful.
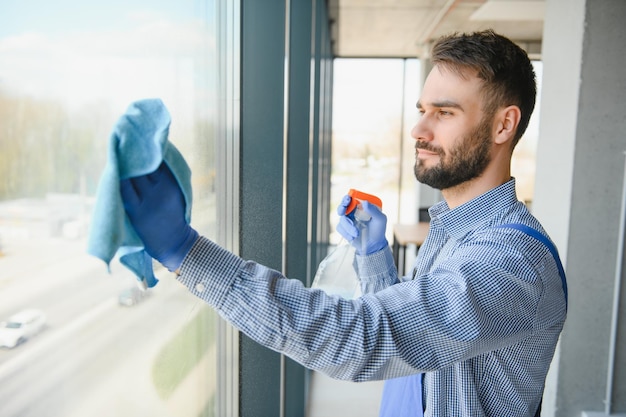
(523, 163)
(87, 343)
(372, 144)
(372, 148)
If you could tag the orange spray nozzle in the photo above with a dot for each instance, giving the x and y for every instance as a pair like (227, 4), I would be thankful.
(358, 196)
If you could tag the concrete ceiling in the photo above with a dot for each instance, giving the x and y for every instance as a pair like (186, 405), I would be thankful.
(405, 28)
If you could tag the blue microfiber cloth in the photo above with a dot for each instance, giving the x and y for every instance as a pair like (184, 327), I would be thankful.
(137, 146)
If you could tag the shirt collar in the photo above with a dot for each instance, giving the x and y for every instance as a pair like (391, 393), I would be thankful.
(466, 217)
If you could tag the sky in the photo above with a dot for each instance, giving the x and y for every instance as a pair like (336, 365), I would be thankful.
(63, 16)
(81, 51)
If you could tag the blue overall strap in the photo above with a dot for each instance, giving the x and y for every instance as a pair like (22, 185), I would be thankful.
(543, 239)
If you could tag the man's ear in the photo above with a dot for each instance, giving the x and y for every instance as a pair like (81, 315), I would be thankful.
(507, 120)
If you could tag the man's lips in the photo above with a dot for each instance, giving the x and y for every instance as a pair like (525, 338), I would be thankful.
(425, 152)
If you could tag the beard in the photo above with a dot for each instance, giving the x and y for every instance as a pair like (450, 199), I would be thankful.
(466, 161)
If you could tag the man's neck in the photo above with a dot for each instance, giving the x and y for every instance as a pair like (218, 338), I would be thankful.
(462, 193)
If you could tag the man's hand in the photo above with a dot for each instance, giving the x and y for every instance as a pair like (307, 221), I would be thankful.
(367, 236)
(155, 206)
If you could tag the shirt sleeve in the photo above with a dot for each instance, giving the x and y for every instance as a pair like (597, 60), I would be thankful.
(423, 324)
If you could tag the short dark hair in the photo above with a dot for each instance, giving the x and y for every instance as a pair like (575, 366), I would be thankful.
(507, 72)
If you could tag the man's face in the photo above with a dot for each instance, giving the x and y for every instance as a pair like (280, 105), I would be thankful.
(453, 137)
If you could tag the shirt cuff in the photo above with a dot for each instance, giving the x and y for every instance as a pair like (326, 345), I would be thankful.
(209, 270)
(378, 268)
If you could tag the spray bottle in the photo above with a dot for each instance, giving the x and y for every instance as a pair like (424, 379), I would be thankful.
(337, 273)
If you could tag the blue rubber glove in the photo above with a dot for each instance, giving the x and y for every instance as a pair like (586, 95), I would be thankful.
(367, 236)
(155, 206)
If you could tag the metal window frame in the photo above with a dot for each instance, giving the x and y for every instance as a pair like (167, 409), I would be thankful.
(273, 170)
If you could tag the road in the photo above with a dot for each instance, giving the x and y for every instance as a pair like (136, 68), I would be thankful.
(95, 357)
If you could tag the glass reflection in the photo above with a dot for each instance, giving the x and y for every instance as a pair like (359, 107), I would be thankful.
(76, 340)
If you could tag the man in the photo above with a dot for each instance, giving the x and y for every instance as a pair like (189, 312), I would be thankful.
(473, 330)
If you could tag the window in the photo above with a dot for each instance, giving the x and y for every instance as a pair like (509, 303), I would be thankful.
(373, 113)
(523, 163)
(68, 70)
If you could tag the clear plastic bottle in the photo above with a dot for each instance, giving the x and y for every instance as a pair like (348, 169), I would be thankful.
(338, 273)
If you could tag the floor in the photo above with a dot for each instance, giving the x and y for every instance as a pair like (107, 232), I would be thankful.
(333, 398)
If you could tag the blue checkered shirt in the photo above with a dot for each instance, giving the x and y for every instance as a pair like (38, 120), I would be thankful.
(481, 315)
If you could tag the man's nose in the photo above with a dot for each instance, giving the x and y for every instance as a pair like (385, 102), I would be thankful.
(422, 130)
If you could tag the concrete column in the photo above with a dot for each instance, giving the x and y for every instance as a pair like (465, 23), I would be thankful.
(578, 197)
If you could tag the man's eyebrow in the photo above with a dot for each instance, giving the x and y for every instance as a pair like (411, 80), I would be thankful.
(442, 103)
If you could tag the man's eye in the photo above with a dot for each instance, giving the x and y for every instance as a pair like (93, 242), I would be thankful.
(445, 113)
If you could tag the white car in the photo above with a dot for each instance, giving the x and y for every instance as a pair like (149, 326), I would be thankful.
(20, 327)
